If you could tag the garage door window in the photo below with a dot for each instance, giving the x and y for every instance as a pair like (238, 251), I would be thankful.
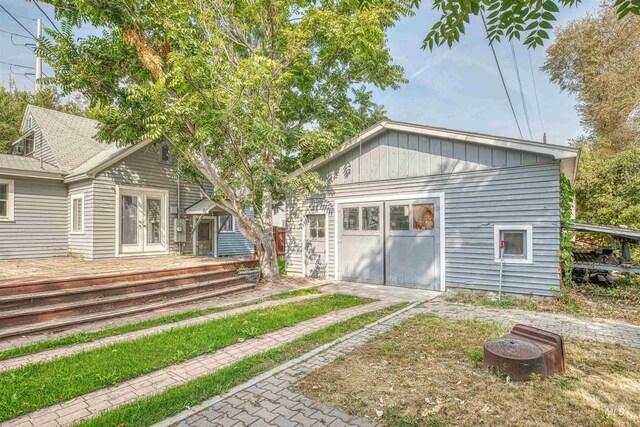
(350, 219)
(399, 217)
(423, 217)
(371, 218)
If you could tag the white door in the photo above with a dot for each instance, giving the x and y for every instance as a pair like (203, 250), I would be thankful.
(143, 221)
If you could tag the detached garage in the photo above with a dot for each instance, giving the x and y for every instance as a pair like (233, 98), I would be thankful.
(422, 207)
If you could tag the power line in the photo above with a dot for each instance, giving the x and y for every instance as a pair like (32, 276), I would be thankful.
(495, 57)
(47, 16)
(16, 19)
(17, 65)
(524, 104)
(14, 34)
(535, 91)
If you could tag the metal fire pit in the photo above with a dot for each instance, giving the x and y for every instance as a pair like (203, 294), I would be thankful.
(525, 351)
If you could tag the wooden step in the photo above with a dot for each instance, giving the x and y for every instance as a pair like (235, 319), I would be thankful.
(68, 322)
(59, 296)
(41, 285)
(31, 315)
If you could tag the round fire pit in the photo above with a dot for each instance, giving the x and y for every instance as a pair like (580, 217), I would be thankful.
(525, 351)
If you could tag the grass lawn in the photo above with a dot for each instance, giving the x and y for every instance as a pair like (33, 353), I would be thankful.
(39, 385)
(620, 303)
(119, 330)
(154, 409)
(428, 372)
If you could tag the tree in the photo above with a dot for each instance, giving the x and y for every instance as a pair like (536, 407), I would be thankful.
(525, 20)
(13, 103)
(246, 90)
(597, 58)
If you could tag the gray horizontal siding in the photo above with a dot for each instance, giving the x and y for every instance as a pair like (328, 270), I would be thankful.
(234, 243)
(39, 228)
(394, 155)
(475, 201)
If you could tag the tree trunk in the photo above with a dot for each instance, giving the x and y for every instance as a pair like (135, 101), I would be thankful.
(267, 245)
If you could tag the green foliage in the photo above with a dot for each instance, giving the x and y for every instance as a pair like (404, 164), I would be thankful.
(13, 103)
(567, 198)
(282, 265)
(529, 21)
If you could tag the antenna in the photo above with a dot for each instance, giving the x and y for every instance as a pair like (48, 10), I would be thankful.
(38, 58)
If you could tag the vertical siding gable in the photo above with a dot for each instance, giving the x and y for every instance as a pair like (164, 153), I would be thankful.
(396, 155)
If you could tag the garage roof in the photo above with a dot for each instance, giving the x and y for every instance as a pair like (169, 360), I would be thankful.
(568, 156)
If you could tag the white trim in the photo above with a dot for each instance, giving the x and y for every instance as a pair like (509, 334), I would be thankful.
(388, 198)
(82, 212)
(31, 174)
(10, 200)
(528, 228)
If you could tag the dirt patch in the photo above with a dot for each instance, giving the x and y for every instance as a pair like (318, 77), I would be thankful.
(620, 303)
(428, 372)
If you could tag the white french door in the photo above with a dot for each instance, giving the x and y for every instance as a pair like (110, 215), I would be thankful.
(143, 221)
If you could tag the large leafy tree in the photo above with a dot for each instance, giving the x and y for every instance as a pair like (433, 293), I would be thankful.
(526, 20)
(246, 90)
(13, 103)
(597, 58)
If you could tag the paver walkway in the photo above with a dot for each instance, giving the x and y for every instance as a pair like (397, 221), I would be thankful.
(91, 404)
(44, 356)
(268, 400)
(605, 330)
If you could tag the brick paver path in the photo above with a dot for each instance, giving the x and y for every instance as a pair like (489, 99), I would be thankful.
(91, 404)
(267, 399)
(606, 330)
(44, 356)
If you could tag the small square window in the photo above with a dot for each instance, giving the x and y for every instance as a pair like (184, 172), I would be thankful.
(513, 243)
(371, 218)
(227, 223)
(350, 219)
(399, 217)
(165, 153)
(316, 226)
(423, 218)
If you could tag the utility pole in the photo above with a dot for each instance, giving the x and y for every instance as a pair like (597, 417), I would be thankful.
(38, 58)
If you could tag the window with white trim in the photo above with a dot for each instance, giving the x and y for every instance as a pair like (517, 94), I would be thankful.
(513, 244)
(77, 214)
(6, 200)
(227, 223)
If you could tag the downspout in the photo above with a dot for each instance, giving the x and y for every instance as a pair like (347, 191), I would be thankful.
(181, 243)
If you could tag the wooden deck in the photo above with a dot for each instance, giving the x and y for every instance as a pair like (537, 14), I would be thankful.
(66, 267)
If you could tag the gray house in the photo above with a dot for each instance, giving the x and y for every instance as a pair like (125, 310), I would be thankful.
(431, 208)
(63, 193)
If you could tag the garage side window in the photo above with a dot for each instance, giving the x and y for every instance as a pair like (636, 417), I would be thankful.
(423, 217)
(371, 218)
(350, 219)
(399, 217)
(6, 200)
(513, 243)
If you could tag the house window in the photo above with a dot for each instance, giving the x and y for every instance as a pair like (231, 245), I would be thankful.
(6, 200)
(350, 219)
(316, 226)
(513, 243)
(77, 214)
(227, 224)
(399, 217)
(423, 217)
(165, 153)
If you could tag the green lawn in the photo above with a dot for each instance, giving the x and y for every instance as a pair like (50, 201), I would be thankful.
(119, 330)
(148, 411)
(40, 385)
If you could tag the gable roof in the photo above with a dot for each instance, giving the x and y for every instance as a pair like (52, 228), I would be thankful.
(568, 155)
(71, 138)
(11, 164)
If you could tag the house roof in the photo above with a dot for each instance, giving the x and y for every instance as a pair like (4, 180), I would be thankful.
(27, 166)
(205, 207)
(70, 137)
(567, 154)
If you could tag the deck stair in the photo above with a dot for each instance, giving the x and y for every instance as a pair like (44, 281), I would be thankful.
(48, 304)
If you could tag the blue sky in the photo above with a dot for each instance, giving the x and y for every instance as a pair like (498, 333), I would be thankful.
(457, 88)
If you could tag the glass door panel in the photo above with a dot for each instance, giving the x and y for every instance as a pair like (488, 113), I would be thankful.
(130, 223)
(154, 223)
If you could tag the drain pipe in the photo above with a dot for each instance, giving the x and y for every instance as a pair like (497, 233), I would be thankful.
(502, 246)
(178, 207)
